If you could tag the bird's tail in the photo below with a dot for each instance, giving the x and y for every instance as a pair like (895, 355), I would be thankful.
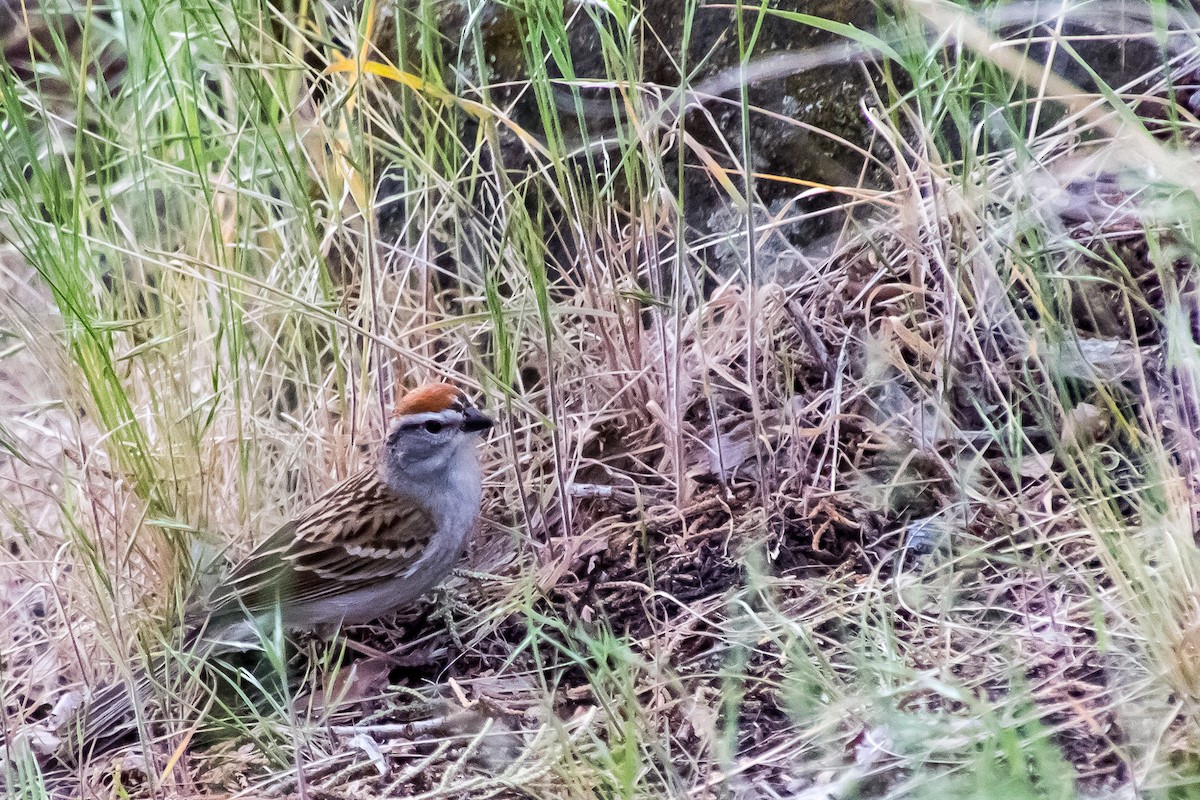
(109, 719)
(114, 716)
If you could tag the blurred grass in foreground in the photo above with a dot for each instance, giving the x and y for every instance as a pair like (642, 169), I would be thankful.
(236, 288)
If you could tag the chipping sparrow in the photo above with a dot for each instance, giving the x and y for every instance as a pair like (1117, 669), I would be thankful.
(370, 545)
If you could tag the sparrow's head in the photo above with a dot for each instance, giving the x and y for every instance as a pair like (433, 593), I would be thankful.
(429, 427)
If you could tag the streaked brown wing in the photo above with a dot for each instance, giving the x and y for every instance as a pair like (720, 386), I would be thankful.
(356, 534)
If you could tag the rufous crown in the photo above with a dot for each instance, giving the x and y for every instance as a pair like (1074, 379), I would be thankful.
(431, 398)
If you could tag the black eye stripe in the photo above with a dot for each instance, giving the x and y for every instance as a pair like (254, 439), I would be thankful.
(431, 425)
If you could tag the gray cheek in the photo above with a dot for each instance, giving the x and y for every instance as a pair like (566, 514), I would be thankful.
(410, 451)
(395, 454)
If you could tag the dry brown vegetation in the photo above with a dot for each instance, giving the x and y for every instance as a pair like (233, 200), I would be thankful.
(913, 517)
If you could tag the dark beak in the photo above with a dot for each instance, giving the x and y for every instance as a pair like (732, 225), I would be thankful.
(475, 420)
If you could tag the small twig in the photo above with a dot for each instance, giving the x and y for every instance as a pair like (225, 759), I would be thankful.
(810, 336)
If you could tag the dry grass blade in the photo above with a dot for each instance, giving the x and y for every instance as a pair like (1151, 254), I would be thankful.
(879, 482)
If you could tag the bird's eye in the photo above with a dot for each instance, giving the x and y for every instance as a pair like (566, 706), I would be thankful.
(433, 426)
